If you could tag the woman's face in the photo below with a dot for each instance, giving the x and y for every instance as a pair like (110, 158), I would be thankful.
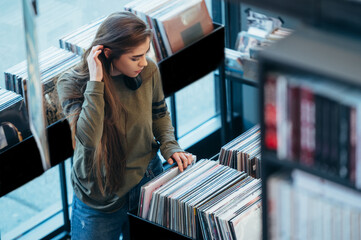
(133, 62)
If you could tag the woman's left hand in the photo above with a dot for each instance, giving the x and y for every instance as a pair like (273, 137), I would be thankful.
(183, 159)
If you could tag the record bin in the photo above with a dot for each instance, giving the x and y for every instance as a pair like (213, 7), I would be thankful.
(22, 162)
(141, 228)
(193, 62)
(155, 229)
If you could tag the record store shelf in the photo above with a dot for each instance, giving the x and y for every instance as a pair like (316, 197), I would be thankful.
(312, 62)
(21, 163)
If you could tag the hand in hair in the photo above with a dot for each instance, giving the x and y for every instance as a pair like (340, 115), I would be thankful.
(94, 64)
(183, 160)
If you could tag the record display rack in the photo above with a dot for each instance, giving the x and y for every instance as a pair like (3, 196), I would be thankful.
(233, 76)
(333, 16)
(148, 227)
(302, 9)
(306, 52)
(193, 62)
(158, 230)
(21, 163)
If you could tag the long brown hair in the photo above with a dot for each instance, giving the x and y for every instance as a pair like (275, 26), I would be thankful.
(121, 32)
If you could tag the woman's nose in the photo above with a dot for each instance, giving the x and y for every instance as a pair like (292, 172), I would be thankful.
(143, 62)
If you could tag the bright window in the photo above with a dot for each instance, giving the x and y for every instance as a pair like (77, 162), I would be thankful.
(195, 104)
(26, 207)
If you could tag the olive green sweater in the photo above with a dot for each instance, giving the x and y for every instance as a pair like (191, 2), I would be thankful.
(148, 126)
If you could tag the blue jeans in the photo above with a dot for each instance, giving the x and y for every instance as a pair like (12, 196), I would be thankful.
(88, 223)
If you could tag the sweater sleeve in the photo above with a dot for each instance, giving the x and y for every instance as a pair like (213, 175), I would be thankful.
(162, 124)
(91, 119)
(89, 127)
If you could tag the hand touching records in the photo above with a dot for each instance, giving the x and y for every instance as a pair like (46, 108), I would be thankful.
(183, 160)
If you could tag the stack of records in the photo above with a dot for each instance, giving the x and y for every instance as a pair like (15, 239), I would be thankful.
(14, 122)
(244, 152)
(52, 61)
(301, 205)
(80, 39)
(175, 23)
(221, 201)
(262, 32)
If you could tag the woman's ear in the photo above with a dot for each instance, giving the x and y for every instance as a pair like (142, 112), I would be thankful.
(107, 52)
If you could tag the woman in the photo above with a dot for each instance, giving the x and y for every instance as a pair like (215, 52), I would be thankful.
(115, 105)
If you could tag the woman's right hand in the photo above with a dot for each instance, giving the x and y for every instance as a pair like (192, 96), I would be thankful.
(94, 64)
